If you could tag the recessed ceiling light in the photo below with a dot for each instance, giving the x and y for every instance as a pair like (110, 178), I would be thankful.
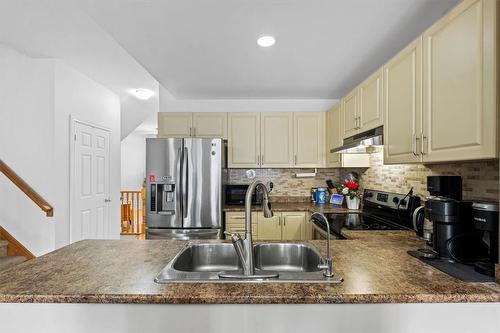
(143, 94)
(266, 41)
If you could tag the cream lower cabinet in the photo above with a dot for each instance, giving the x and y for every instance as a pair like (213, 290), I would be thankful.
(269, 228)
(294, 225)
(235, 223)
(210, 125)
(276, 130)
(309, 139)
(244, 140)
(282, 226)
(403, 105)
(460, 91)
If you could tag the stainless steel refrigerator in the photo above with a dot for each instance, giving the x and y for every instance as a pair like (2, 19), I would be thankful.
(184, 188)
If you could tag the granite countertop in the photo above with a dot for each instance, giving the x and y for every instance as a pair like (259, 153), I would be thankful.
(374, 264)
(297, 207)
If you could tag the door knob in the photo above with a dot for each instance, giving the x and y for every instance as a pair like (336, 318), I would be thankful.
(107, 200)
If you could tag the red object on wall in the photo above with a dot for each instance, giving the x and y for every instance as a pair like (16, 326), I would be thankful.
(152, 178)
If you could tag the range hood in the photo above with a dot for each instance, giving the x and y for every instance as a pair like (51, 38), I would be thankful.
(367, 142)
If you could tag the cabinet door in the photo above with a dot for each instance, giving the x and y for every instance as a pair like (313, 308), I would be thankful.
(370, 111)
(309, 139)
(333, 135)
(235, 223)
(244, 140)
(210, 125)
(175, 124)
(277, 139)
(350, 114)
(294, 225)
(459, 84)
(269, 228)
(403, 106)
(355, 160)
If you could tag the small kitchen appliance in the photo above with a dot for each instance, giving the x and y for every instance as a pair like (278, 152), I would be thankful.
(485, 217)
(235, 195)
(445, 186)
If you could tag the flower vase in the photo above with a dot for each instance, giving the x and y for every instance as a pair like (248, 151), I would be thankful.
(353, 203)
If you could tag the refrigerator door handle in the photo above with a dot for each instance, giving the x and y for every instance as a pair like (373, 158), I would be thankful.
(178, 192)
(185, 183)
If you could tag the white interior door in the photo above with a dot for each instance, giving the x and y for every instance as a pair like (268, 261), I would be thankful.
(90, 183)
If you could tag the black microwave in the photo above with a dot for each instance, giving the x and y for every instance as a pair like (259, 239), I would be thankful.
(235, 195)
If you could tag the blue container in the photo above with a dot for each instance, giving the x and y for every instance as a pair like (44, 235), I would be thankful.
(321, 195)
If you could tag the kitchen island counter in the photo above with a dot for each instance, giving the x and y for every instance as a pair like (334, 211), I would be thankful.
(374, 264)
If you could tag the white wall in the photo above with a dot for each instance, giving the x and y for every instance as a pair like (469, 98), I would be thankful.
(36, 99)
(81, 98)
(26, 145)
(133, 161)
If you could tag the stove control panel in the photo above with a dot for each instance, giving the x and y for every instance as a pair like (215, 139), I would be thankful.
(386, 199)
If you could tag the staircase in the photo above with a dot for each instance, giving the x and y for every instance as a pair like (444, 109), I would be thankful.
(5, 260)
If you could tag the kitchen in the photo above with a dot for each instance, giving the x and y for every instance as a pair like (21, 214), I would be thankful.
(378, 213)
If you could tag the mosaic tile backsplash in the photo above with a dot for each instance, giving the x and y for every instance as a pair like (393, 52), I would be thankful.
(480, 178)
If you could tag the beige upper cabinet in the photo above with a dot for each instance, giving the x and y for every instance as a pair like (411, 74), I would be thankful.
(174, 124)
(210, 125)
(244, 140)
(403, 105)
(370, 113)
(276, 139)
(350, 120)
(309, 139)
(333, 135)
(459, 87)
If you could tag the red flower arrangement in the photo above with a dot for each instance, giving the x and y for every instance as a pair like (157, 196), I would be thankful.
(351, 189)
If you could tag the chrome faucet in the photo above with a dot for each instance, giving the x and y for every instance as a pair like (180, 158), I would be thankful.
(327, 264)
(244, 247)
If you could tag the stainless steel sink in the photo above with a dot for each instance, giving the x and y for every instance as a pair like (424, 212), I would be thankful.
(202, 262)
(287, 257)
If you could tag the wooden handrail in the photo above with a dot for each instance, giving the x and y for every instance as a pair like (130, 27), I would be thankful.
(28, 190)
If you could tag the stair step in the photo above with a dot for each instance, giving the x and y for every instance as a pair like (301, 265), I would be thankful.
(7, 262)
(3, 247)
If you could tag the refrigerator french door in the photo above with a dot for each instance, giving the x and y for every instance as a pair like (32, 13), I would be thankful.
(184, 188)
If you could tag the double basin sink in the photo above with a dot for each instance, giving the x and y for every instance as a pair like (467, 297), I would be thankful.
(203, 262)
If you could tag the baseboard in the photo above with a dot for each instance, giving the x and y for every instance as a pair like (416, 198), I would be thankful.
(15, 248)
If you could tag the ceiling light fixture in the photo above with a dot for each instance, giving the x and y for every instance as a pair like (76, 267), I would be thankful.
(142, 94)
(266, 41)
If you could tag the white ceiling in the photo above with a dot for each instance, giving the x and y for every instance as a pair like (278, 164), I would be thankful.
(207, 49)
(60, 29)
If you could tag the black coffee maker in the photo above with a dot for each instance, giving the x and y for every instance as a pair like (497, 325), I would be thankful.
(485, 217)
(454, 237)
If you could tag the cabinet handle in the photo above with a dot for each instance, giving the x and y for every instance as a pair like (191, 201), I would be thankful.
(359, 122)
(261, 159)
(279, 221)
(284, 221)
(194, 131)
(423, 151)
(295, 159)
(190, 131)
